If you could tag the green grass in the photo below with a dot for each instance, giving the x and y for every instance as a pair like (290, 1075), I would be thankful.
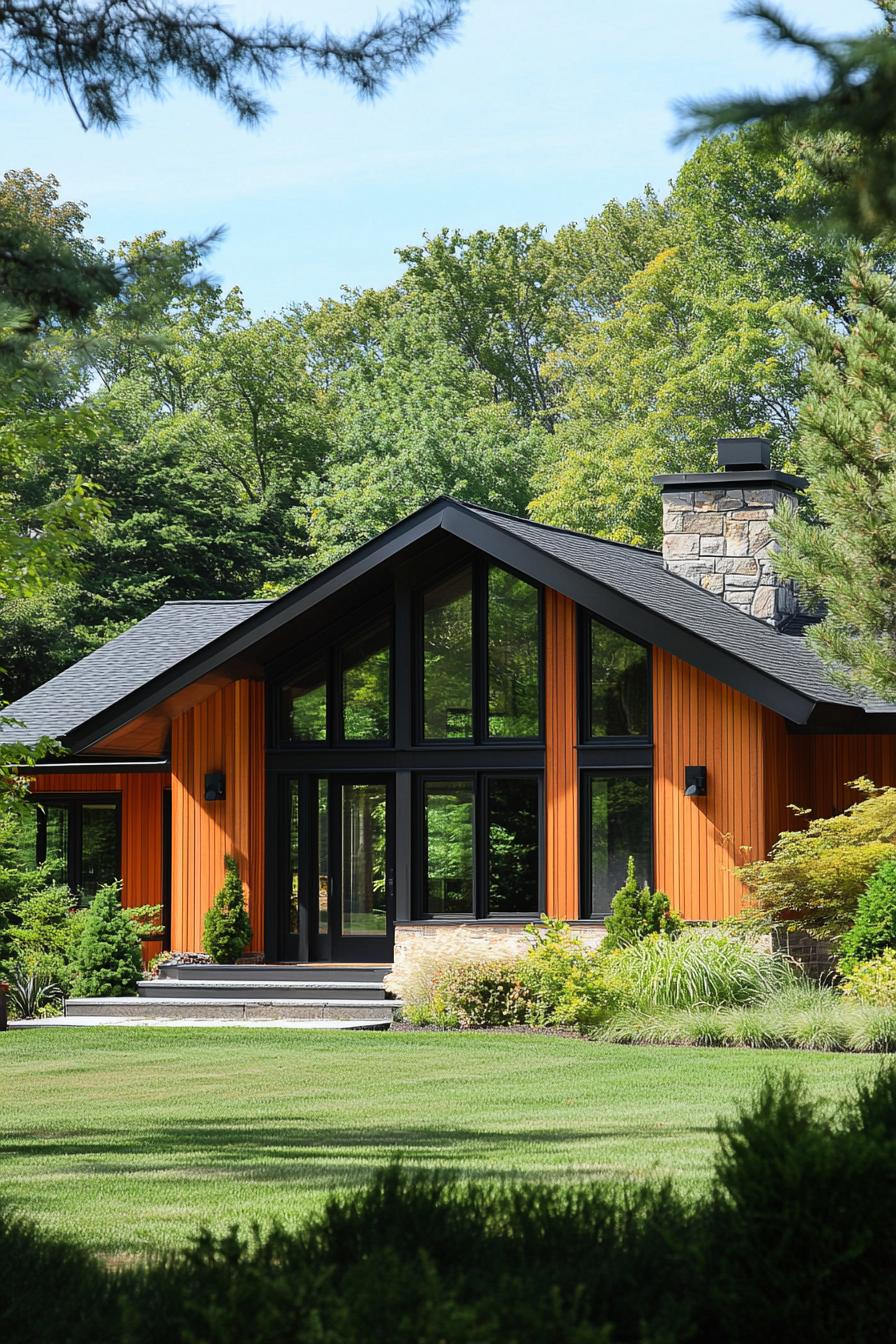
(129, 1139)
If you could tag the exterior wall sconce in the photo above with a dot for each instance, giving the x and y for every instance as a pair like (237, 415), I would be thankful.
(695, 781)
(214, 786)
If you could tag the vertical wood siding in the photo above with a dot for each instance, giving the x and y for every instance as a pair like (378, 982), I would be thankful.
(833, 760)
(699, 841)
(141, 829)
(224, 732)
(561, 767)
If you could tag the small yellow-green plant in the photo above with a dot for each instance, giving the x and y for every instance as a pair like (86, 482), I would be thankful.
(873, 981)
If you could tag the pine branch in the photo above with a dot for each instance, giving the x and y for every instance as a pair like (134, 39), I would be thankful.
(100, 56)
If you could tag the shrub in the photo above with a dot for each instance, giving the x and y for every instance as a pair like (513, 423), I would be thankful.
(415, 977)
(108, 957)
(813, 878)
(701, 967)
(45, 935)
(568, 986)
(801, 1203)
(484, 994)
(874, 981)
(227, 929)
(874, 925)
(639, 912)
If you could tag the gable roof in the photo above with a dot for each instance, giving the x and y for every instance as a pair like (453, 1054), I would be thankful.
(626, 585)
(148, 650)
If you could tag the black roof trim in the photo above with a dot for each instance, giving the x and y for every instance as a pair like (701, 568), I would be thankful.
(482, 529)
(263, 623)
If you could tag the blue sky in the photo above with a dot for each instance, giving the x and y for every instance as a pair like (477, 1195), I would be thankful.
(540, 112)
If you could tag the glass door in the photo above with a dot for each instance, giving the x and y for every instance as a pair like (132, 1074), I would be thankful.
(339, 878)
(361, 895)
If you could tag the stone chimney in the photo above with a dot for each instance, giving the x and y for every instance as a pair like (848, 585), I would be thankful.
(716, 529)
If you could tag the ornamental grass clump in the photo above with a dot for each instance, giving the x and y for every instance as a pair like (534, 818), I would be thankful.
(227, 929)
(700, 968)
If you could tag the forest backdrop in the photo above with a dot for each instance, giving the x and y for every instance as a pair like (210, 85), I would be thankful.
(230, 455)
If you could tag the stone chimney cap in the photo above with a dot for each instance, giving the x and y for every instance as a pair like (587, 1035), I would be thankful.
(744, 454)
(723, 481)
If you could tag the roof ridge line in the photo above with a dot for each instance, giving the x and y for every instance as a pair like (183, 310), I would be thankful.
(551, 527)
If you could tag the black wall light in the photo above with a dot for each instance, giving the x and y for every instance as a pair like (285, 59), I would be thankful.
(214, 786)
(695, 781)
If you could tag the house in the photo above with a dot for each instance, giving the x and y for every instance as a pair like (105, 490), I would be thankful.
(471, 719)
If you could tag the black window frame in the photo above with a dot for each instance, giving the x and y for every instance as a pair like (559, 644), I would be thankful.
(480, 779)
(481, 737)
(586, 738)
(586, 775)
(333, 660)
(73, 803)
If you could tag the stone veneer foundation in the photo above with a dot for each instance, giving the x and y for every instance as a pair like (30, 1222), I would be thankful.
(508, 940)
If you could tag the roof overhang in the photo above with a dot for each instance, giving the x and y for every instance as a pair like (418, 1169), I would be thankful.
(210, 664)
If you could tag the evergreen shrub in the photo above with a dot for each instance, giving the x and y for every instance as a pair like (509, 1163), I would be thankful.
(568, 985)
(227, 929)
(638, 912)
(108, 957)
(874, 926)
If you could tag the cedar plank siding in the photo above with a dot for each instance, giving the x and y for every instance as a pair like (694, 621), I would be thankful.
(814, 771)
(141, 829)
(699, 841)
(224, 732)
(560, 764)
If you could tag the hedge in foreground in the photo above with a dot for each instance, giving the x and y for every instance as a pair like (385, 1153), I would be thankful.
(794, 1242)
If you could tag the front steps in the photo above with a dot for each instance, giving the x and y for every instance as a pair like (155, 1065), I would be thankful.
(252, 993)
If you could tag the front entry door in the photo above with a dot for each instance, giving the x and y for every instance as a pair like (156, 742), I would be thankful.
(341, 862)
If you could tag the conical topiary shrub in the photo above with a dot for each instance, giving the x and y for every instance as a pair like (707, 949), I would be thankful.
(638, 912)
(108, 958)
(227, 929)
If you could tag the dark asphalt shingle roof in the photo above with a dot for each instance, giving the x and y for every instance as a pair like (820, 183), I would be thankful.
(152, 646)
(639, 575)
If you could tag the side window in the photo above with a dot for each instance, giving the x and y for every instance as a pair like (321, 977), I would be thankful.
(79, 836)
(619, 822)
(617, 700)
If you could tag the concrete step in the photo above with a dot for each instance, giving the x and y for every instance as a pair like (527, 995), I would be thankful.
(301, 972)
(234, 1010)
(247, 988)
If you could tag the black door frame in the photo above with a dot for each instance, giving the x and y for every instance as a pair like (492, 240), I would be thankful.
(310, 943)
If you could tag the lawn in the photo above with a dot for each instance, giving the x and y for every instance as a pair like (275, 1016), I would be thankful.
(130, 1139)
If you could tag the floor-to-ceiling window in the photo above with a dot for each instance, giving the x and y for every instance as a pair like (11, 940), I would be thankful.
(615, 782)
(427, 775)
